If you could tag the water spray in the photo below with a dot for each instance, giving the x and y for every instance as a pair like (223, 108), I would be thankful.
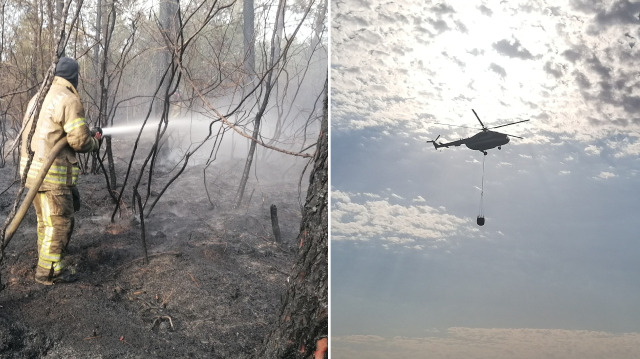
(126, 129)
(119, 130)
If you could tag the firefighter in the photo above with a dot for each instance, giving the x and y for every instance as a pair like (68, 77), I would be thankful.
(57, 199)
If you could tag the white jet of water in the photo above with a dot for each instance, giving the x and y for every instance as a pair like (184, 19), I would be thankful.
(118, 130)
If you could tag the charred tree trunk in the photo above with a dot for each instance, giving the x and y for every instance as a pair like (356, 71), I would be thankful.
(106, 28)
(3, 116)
(169, 26)
(111, 165)
(303, 323)
(274, 223)
(269, 85)
(248, 31)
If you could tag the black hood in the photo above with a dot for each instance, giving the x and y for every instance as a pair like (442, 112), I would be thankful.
(67, 68)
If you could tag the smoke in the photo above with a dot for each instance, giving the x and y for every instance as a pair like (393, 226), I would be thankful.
(207, 141)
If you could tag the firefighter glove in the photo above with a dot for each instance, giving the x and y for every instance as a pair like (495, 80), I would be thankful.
(97, 133)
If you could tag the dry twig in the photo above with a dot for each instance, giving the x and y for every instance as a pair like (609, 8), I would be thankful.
(158, 319)
(194, 279)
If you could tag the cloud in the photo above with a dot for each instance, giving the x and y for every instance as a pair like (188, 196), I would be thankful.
(339, 196)
(484, 343)
(485, 10)
(628, 149)
(555, 70)
(631, 104)
(599, 68)
(515, 56)
(571, 55)
(620, 12)
(357, 217)
(440, 25)
(582, 80)
(498, 69)
(512, 49)
(442, 9)
(604, 175)
(593, 150)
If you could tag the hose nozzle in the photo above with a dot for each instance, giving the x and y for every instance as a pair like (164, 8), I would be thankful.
(95, 131)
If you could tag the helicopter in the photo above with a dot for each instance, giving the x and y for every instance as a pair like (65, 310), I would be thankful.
(481, 141)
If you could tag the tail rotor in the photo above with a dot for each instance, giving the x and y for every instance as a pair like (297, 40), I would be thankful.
(435, 144)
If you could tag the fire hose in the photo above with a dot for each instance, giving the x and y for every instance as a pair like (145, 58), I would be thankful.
(33, 190)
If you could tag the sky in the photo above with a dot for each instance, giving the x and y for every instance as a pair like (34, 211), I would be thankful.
(558, 259)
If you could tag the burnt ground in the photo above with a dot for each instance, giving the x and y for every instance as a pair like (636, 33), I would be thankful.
(211, 289)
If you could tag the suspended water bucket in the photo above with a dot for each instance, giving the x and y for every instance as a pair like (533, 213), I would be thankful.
(480, 219)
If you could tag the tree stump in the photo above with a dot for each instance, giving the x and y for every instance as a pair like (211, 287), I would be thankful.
(274, 223)
(301, 331)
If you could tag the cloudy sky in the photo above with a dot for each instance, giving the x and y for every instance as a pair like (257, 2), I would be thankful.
(559, 256)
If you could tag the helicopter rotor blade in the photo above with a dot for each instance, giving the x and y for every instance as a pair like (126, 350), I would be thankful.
(522, 138)
(478, 117)
(447, 124)
(509, 124)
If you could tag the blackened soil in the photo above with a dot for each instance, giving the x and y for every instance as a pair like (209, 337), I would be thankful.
(211, 288)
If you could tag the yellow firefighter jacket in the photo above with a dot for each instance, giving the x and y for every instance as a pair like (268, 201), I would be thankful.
(61, 115)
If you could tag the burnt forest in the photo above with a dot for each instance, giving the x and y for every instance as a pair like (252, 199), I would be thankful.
(202, 230)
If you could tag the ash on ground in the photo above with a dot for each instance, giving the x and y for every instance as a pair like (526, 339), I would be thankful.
(211, 289)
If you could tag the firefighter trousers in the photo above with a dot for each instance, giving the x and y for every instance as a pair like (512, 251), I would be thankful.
(54, 209)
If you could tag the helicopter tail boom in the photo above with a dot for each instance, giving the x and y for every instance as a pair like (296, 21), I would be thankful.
(454, 143)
